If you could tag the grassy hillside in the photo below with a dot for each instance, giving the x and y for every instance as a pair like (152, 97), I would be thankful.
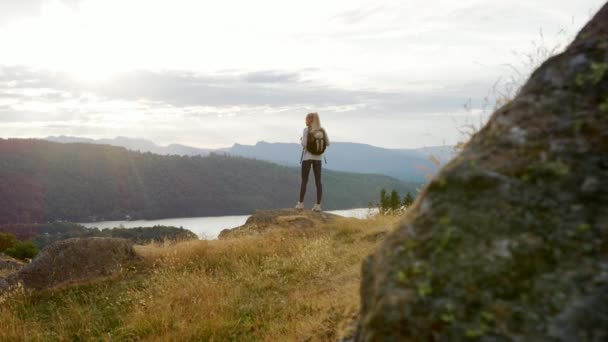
(43, 181)
(286, 285)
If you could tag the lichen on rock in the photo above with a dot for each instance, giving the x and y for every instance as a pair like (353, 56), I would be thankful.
(509, 242)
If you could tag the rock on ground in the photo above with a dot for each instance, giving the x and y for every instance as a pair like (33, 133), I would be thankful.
(264, 220)
(9, 264)
(509, 242)
(75, 260)
(3, 285)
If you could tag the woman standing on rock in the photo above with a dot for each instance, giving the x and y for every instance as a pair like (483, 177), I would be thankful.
(314, 142)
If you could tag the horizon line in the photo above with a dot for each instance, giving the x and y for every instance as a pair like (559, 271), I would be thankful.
(216, 148)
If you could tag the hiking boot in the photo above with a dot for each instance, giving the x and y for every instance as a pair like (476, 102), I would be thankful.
(317, 207)
(300, 206)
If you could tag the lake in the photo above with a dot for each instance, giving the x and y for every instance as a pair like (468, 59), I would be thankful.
(207, 227)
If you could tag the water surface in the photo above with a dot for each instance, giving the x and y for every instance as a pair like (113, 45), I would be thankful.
(207, 227)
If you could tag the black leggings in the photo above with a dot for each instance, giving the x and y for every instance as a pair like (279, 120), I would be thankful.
(316, 168)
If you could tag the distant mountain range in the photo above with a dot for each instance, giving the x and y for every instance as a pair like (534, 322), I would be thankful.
(134, 144)
(42, 181)
(410, 165)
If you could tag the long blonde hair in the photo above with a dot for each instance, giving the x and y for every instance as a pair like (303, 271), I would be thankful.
(316, 121)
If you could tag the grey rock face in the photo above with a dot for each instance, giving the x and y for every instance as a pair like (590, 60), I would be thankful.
(10, 263)
(509, 242)
(3, 285)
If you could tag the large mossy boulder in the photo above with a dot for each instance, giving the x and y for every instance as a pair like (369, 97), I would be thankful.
(509, 242)
(75, 260)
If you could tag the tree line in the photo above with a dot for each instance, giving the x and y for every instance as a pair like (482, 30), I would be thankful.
(393, 203)
(23, 241)
(42, 182)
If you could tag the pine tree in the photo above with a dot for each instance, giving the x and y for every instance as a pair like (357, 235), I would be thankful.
(395, 201)
(408, 199)
(384, 202)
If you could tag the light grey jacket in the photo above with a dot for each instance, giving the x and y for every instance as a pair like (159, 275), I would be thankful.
(304, 141)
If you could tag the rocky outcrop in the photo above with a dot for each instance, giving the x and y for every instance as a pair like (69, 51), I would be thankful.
(9, 264)
(75, 260)
(3, 285)
(509, 242)
(264, 220)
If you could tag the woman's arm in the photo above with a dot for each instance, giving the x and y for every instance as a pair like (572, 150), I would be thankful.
(304, 138)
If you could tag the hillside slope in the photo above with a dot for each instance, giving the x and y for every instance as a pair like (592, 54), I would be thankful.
(285, 285)
(405, 164)
(42, 181)
(135, 144)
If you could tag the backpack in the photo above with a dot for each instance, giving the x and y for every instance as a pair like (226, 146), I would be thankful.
(316, 142)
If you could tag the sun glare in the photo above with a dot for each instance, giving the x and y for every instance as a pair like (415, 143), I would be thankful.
(78, 41)
(92, 69)
(90, 74)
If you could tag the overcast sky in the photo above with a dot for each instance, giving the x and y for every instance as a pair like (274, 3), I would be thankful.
(212, 73)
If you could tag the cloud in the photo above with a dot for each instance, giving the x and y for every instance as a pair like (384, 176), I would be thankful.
(388, 71)
(355, 16)
(271, 77)
(11, 10)
(218, 109)
(14, 9)
(265, 88)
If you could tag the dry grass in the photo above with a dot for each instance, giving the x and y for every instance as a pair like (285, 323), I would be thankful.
(286, 285)
(5, 272)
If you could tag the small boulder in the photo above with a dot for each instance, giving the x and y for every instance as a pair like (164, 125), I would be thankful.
(75, 260)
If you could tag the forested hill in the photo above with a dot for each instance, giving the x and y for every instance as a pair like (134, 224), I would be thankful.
(43, 181)
(408, 165)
